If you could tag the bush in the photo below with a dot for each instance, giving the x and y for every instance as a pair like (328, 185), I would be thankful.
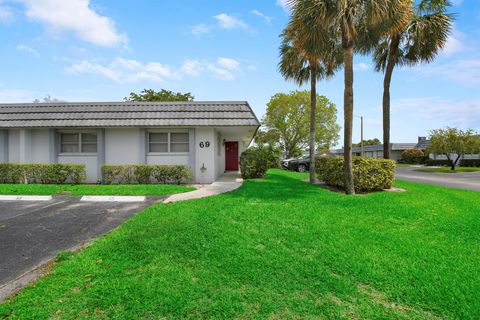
(52, 173)
(439, 163)
(144, 174)
(413, 156)
(272, 154)
(470, 163)
(254, 163)
(369, 174)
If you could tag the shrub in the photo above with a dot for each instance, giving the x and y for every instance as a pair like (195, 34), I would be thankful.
(439, 163)
(253, 163)
(413, 156)
(143, 174)
(272, 154)
(369, 174)
(52, 173)
(470, 163)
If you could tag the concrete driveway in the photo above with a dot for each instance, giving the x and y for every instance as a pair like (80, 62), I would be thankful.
(460, 180)
(32, 233)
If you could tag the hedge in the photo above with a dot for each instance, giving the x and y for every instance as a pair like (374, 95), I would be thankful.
(53, 173)
(253, 163)
(470, 163)
(413, 156)
(145, 174)
(369, 174)
(440, 163)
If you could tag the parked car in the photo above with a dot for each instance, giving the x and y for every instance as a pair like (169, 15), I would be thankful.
(301, 164)
(286, 161)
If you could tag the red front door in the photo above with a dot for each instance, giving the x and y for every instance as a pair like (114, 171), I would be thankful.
(231, 156)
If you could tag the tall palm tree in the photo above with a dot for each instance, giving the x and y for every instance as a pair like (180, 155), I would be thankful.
(358, 23)
(308, 58)
(419, 41)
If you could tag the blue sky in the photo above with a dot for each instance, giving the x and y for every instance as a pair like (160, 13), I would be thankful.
(87, 50)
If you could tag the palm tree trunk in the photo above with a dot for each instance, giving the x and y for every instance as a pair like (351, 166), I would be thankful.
(392, 60)
(313, 107)
(348, 117)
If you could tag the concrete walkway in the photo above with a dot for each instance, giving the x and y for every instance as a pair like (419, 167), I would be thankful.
(225, 183)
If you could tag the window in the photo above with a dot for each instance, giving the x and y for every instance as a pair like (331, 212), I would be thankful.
(78, 143)
(164, 142)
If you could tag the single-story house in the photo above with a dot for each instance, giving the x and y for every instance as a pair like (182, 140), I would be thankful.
(207, 136)
(376, 151)
(423, 144)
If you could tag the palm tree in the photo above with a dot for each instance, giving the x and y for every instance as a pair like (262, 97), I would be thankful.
(418, 41)
(358, 23)
(308, 58)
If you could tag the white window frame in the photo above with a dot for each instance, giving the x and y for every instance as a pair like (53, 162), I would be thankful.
(80, 143)
(169, 142)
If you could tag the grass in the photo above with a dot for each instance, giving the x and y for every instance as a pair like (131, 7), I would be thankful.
(404, 165)
(448, 169)
(277, 248)
(85, 189)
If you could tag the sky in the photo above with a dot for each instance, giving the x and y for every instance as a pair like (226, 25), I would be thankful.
(101, 50)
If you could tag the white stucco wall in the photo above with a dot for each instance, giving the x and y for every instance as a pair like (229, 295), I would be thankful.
(122, 146)
(90, 162)
(128, 146)
(172, 159)
(14, 146)
(39, 146)
(3, 146)
(205, 157)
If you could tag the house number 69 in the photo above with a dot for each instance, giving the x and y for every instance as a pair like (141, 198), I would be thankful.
(205, 144)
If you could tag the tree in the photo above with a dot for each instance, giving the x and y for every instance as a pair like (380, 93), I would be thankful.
(308, 57)
(454, 143)
(47, 98)
(162, 95)
(418, 41)
(369, 142)
(287, 115)
(357, 24)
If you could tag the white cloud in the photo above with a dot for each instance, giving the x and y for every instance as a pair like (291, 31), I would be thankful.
(223, 68)
(361, 66)
(200, 30)
(456, 42)
(14, 95)
(229, 64)
(6, 15)
(192, 67)
(284, 5)
(463, 114)
(75, 16)
(27, 49)
(125, 71)
(128, 71)
(229, 22)
(465, 71)
(257, 13)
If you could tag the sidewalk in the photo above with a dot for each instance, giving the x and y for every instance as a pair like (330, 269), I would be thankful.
(225, 183)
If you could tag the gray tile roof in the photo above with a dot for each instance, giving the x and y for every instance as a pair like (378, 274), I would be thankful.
(127, 114)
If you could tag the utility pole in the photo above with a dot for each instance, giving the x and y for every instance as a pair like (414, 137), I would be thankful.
(361, 134)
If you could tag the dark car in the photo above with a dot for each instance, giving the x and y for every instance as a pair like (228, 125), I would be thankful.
(301, 164)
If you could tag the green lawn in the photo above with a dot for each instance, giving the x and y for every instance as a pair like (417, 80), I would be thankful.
(449, 170)
(277, 248)
(86, 189)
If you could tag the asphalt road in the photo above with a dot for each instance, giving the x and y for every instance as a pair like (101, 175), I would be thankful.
(32, 233)
(460, 180)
